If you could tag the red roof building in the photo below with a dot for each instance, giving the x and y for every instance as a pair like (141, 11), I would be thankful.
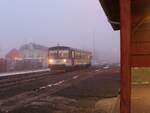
(13, 54)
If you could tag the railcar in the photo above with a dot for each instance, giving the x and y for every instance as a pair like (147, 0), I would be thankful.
(62, 58)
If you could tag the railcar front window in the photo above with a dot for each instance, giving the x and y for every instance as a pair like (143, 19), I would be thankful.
(63, 53)
(53, 53)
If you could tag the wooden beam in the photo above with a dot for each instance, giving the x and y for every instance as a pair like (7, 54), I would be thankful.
(140, 60)
(140, 48)
(125, 97)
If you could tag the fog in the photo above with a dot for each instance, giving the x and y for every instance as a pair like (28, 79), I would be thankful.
(75, 23)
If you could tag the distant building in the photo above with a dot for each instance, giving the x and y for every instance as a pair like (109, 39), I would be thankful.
(13, 54)
(34, 51)
(3, 65)
(12, 57)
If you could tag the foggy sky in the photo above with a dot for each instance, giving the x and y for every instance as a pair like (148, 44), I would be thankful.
(75, 23)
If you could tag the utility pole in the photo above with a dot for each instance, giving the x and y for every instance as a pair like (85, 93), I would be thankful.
(58, 44)
(94, 52)
(1, 52)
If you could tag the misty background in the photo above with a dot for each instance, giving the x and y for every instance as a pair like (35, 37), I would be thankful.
(75, 23)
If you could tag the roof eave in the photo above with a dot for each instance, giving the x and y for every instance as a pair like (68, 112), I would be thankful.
(112, 11)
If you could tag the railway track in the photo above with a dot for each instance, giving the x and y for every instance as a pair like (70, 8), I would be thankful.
(12, 81)
(9, 81)
(25, 88)
(11, 85)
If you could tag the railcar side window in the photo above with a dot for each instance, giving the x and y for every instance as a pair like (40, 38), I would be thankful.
(77, 54)
(73, 54)
(84, 56)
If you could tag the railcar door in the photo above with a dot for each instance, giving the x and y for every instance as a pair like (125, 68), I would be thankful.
(72, 57)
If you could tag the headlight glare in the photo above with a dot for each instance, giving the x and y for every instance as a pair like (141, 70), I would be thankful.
(65, 60)
(51, 61)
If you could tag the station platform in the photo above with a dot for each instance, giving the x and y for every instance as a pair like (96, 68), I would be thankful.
(140, 102)
(108, 105)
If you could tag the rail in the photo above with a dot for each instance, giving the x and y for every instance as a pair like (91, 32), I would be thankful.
(24, 72)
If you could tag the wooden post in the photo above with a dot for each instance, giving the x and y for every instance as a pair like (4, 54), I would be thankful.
(125, 97)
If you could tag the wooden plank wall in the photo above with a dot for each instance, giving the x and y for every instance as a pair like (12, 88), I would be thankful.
(140, 43)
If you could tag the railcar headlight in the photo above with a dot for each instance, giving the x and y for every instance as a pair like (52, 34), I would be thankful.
(50, 61)
(65, 60)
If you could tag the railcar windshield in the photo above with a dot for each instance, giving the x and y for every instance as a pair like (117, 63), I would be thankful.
(59, 53)
(63, 54)
(53, 53)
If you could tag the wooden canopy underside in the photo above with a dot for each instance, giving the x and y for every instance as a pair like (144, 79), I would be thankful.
(112, 10)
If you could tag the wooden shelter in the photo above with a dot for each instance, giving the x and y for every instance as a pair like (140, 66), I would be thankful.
(132, 18)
